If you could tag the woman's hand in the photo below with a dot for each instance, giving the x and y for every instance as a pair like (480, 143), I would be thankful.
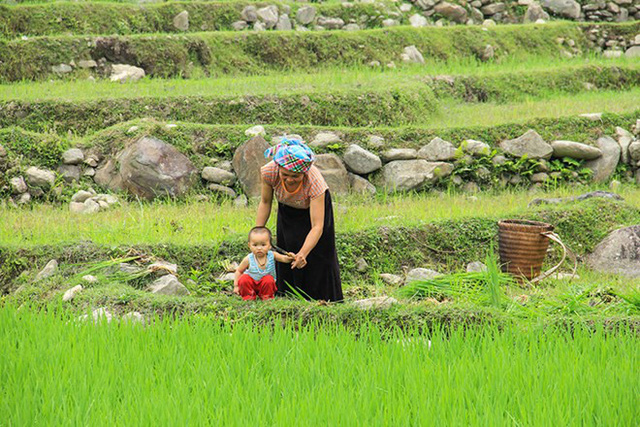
(236, 288)
(300, 261)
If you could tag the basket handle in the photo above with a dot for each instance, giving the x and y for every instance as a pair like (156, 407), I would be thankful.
(565, 250)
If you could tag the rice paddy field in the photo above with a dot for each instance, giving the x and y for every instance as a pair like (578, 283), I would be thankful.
(462, 348)
(199, 371)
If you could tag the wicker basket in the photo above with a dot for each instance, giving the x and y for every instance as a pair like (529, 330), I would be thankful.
(523, 246)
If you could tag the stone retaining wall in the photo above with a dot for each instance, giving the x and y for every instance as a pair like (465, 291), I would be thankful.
(422, 13)
(367, 168)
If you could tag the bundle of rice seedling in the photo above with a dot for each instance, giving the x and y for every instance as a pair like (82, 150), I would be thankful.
(484, 286)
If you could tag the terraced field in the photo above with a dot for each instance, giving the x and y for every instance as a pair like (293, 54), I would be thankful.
(204, 78)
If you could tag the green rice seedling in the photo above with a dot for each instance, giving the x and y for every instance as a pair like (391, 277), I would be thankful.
(485, 287)
(56, 370)
(495, 280)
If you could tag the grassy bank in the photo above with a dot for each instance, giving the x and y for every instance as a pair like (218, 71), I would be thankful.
(235, 53)
(202, 240)
(121, 18)
(466, 81)
(201, 371)
(342, 109)
(213, 223)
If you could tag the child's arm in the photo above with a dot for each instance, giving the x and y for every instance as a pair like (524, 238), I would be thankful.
(288, 258)
(239, 271)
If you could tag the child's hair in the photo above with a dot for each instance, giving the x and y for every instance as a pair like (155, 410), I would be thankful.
(261, 229)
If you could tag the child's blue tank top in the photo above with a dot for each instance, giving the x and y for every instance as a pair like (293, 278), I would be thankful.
(256, 272)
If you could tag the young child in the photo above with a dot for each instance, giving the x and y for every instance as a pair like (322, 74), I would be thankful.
(256, 274)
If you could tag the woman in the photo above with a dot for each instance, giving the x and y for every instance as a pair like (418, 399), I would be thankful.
(305, 221)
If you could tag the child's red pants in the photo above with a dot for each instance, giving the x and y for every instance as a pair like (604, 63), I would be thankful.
(265, 288)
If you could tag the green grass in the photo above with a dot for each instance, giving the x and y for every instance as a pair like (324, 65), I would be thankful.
(341, 109)
(55, 371)
(538, 70)
(212, 223)
(111, 18)
(452, 114)
(231, 53)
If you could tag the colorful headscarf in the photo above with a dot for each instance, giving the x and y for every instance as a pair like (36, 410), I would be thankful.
(291, 154)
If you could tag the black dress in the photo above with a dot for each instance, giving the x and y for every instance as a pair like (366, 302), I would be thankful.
(320, 278)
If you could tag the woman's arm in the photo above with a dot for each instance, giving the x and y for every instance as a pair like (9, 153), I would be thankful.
(316, 211)
(264, 208)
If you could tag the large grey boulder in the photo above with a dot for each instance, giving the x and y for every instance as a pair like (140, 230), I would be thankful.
(126, 73)
(575, 150)
(535, 12)
(566, 8)
(247, 161)
(375, 303)
(375, 141)
(181, 21)
(24, 199)
(81, 195)
(168, 285)
(391, 279)
(360, 185)
(73, 156)
(147, 169)
(425, 4)
(475, 148)
(452, 12)
(249, 14)
(218, 176)
(618, 253)
(625, 138)
(418, 21)
(49, 270)
(407, 175)
(40, 177)
(69, 172)
(239, 25)
(324, 139)
(603, 167)
(361, 161)
(89, 206)
(412, 54)
(399, 154)
(633, 52)
(71, 293)
(530, 144)
(222, 190)
(61, 69)
(493, 8)
(476, 267)
(305, 15)
(389, 22)
(334, 172)
(437, 150)
(133, 317)
(418, 274)
(330, 23)
(98, 315)
(268, 15)
(18, 186)
(284, 23)
(634, 150)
